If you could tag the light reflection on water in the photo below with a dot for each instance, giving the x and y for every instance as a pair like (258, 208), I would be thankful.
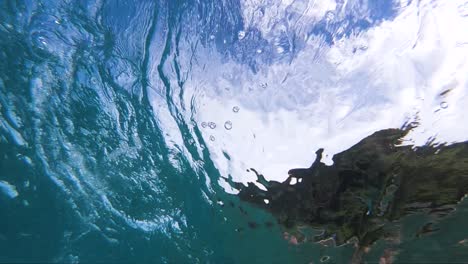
(133, 113)
(332, 96)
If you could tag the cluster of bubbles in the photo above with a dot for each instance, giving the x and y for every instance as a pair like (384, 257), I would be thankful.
(242, 34)
(227, 124)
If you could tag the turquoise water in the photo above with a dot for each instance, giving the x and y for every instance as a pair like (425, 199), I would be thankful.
(91, 169)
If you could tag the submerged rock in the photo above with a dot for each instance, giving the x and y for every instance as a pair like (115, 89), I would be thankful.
(368, 188)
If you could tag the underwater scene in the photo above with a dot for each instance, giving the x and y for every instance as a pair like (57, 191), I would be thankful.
(234, 131)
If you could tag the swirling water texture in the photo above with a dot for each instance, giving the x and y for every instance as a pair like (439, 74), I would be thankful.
(97, 177)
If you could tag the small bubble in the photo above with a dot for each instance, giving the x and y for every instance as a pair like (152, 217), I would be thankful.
(264, 85)
(324, 259)
(212, 138)
(241, 35)
(444, 105)
(203, 124)
(212, 125)
(235, 109)
(212, 37)
(279, 49)
(259, 51)
(228, 125)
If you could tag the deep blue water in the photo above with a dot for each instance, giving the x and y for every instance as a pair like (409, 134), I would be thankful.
(89, 170)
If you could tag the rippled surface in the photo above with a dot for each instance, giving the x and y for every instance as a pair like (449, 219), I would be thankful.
(121, 121)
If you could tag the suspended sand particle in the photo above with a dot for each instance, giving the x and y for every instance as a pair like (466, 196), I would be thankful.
(235, 109)
(212, 125)
(241, 35)
(444, 105)
(228, 125)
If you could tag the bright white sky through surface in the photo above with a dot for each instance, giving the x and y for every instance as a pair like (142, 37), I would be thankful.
(331, 97)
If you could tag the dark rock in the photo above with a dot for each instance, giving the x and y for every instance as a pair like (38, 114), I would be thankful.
(368, 187)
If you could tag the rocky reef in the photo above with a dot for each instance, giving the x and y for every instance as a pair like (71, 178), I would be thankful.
(368, 188)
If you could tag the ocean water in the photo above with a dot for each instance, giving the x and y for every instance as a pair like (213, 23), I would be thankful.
(121, 122)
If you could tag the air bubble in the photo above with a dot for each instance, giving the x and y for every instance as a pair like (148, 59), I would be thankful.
(203, 124)
(241, 35)
(228, 125)
(264, 85)
(212, 138)
(279, 49)
(259, 51)
(324, 259)
(212, 125)
(444, 105)
(212, 37)
(266, 201)
(235, 109)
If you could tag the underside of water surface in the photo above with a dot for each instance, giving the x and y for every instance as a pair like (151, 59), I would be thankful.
(180, 131)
